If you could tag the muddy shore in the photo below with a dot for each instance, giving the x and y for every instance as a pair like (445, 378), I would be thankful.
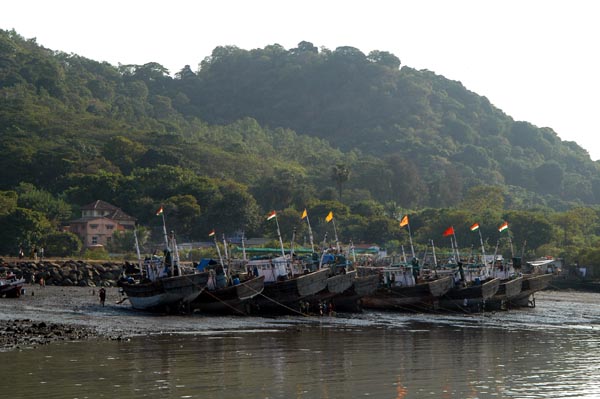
(54, 313)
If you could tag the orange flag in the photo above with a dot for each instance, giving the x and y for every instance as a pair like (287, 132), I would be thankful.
(404, 221)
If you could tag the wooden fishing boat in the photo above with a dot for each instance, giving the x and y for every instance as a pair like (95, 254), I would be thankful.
(421, 296)
(284, 287)
(336, 285)
(532, 283)
(233, 299)
(471, 297)
(507, 291)
(351, 299)
(167, 294)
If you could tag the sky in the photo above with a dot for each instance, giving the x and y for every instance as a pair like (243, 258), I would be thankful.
(536, 60)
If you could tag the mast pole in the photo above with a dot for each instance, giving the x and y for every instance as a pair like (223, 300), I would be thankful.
(310, 234)
(279, 235)
(412, 248)
(137, 250)
(482, 246)
(243, 247)
(337, 242)
(434, 257)
(219, 252)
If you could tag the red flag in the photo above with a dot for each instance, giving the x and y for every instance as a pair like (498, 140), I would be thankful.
(271, 215)
(449, 231)
(160, 211)
(212, 233)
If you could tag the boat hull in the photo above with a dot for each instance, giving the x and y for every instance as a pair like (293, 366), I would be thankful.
(420, 297)
(11, 288)
(351, 299)
(531, 284)
(285, 296)
(230, 300)
(508, 290)
(471, 298)
(165, 293)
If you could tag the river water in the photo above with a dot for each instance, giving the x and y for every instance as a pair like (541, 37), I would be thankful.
(551, 351)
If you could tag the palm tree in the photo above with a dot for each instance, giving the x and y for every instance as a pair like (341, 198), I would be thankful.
(340, 174)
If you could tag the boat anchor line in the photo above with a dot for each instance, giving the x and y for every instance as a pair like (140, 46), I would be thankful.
(226, 304)
(278, 303)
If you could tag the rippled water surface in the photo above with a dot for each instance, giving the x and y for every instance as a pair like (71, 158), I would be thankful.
(551, 351)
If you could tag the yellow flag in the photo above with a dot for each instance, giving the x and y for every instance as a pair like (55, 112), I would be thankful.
(329, 217)
(404, 221)
(304, 214)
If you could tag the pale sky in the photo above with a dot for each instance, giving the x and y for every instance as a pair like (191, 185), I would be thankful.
(537, 60)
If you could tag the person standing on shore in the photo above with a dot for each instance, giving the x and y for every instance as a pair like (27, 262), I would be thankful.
(102, 294)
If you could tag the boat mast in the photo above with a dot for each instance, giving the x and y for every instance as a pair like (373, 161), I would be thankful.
(337, 242)
(434, 257)
(243, 247)
(137, 250)
(226, 270)
(292, 244)
(310, 233)
(279, 235)
(175, 258)
(219, 251)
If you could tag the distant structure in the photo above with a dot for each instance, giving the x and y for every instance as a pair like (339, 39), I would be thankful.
(99, 220)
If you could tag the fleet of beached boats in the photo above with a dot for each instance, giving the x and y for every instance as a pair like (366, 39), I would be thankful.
(326, 281)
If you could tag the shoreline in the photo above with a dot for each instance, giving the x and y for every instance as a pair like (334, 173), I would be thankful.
(43, 315)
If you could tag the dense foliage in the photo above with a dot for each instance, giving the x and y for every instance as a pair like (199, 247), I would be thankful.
(254, 130)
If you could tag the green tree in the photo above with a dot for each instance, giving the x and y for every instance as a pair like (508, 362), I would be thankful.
(8, 202)
(61, 244)
(23, 227)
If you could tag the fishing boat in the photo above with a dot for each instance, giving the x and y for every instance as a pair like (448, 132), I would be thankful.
(470, 297)
(532, 283)
(351, 300)
(285, 284)
(11, 286)
(162, 285)
(507, 291)
(163, 291)
(226, 295)
(400, 291)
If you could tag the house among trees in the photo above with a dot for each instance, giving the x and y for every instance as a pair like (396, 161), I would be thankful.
(99, 220)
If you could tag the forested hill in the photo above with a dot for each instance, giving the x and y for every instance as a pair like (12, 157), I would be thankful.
(368, 103)
(253, 130)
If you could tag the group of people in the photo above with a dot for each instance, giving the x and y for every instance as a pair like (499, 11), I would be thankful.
(323, 308)
(35, 253)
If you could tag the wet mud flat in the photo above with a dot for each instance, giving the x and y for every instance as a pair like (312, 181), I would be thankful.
(55, 313)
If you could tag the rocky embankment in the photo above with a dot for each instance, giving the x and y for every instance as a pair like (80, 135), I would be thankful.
(68, 273)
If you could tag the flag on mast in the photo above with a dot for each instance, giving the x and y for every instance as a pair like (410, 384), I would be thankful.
(329, 217)
(271, 215)
(404, 221)
(448, 232)
(474, 227)
(503, 227)
(212, 233)
(160, 211)
(304, 214)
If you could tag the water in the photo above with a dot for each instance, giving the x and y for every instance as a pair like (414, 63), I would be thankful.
(547, 352)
